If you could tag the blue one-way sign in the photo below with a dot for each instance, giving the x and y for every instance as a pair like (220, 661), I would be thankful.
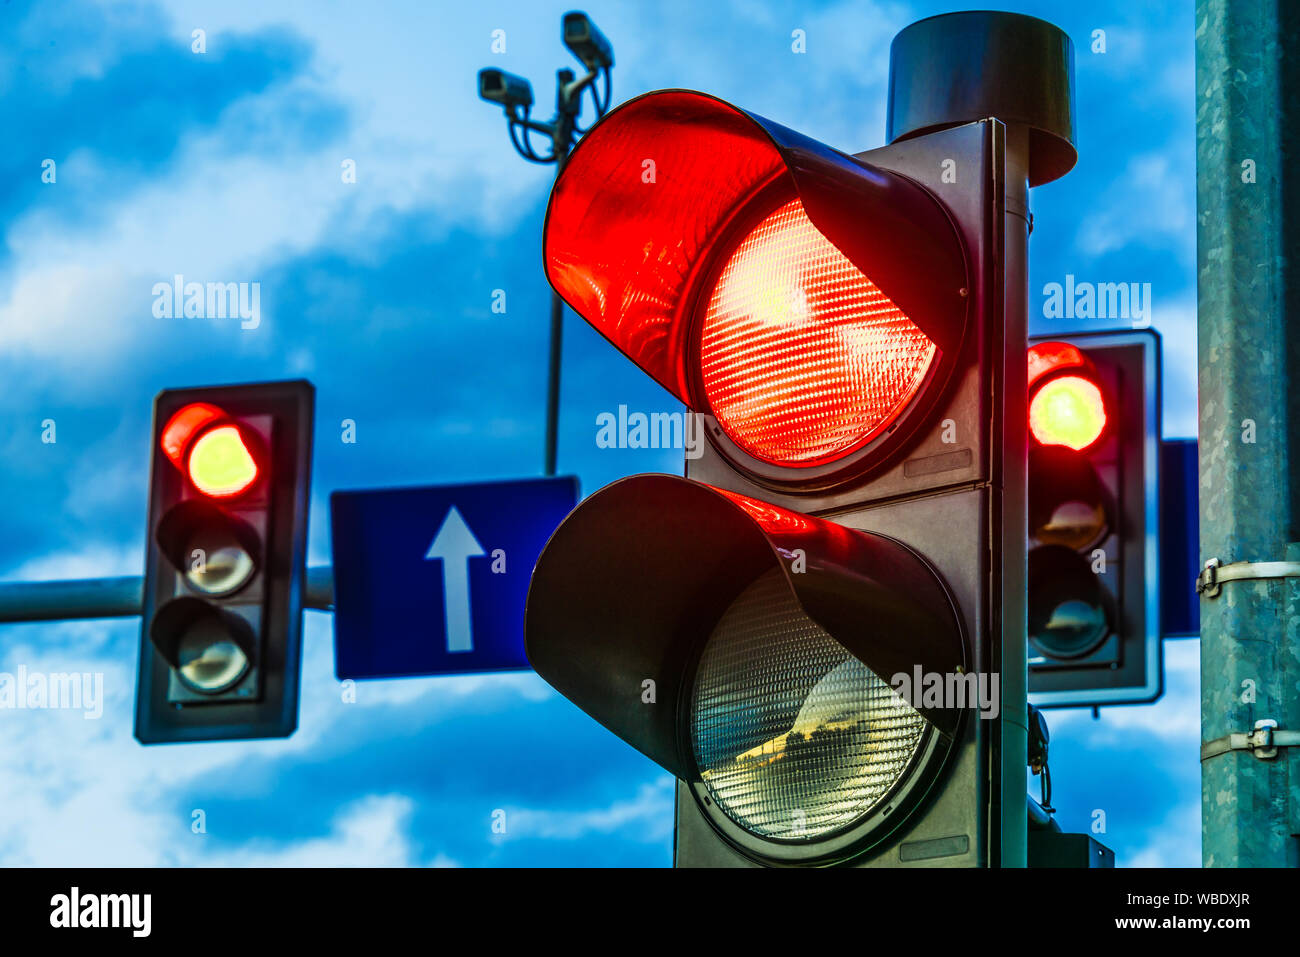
(432, 581)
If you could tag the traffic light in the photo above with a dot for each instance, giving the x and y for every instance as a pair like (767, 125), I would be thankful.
(819, 631)
(1094, 453)
(224, 566)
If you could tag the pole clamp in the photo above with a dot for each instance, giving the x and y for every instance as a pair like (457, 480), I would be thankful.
(1263, 741)
(1210, 581)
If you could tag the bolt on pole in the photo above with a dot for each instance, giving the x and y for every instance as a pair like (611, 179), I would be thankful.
(1248, 244)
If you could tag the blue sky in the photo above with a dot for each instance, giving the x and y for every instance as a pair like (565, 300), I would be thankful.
(225, 166)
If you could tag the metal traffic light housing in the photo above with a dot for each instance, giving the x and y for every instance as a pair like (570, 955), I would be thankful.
(666, 560)
(849, 333)
(1094, 522)
(225, 562)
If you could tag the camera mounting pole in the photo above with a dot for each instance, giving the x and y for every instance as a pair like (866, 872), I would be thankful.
(515, 95)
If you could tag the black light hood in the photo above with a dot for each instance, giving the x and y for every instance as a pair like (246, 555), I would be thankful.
(633, 582)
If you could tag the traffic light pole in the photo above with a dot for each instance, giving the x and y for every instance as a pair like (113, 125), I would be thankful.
(553, 382)
(1014, 653)
(563, 143)
(1248, 231)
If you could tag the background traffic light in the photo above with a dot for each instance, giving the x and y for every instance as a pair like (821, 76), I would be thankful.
(820, 630)
(228, 497)
(1094, 588)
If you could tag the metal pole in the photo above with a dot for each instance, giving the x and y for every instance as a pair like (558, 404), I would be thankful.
(1248, 241)
(553, 381)
(67, 600)
(568, 101)
(117, 597)
(1014, 652)
(557, 336)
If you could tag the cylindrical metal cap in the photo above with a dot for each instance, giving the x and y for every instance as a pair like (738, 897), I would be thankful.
(962, 67)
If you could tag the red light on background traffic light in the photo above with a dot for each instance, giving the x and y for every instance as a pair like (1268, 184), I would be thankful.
(1048, 358)
(220, 463)
(1068, 411)
(210, 450)
(183, 426)
(793, 327)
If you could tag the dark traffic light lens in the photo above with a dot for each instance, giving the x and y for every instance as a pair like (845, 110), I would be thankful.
(1069, 613)
(794, 738)
(1074, 524)
(1068, 505)
(1073, 628)
(216, 552)
(208, 658)
(222, 566)
(803, 358)
(210, 648)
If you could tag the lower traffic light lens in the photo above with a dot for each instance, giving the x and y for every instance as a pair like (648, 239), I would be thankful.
(209, 660)
(794, 738)
(803, 359)
(1068, 608)
(221, 464)
(211, 649)
(1068, 411)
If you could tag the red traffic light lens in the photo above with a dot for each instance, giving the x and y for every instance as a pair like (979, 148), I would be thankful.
(220, 463)
(803, 358)
(666, 194)
(1068, 411)
(183, 426)
(210, 450)
(1049, 358)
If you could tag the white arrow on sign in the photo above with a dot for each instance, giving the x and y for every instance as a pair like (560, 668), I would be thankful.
(455, 545)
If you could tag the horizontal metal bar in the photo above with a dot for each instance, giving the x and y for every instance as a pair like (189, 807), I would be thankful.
(67, 600)
(319, 588)
(116, 597)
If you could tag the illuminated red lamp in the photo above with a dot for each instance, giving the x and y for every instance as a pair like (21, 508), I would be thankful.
(1066, 405)
(804, 298)
(210, 450)
(803, 358)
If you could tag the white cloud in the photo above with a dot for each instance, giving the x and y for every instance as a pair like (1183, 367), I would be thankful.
(66, 776)
(95, 560)
(648, 816)
(371, 832)
(1174, 720)
(1149, 204)
(59, 308)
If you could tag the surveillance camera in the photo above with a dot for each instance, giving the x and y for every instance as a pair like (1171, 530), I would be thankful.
(498, 86)
(586, 42)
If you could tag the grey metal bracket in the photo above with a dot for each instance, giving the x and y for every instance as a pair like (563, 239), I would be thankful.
(1263, 741)
(1211, 579)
